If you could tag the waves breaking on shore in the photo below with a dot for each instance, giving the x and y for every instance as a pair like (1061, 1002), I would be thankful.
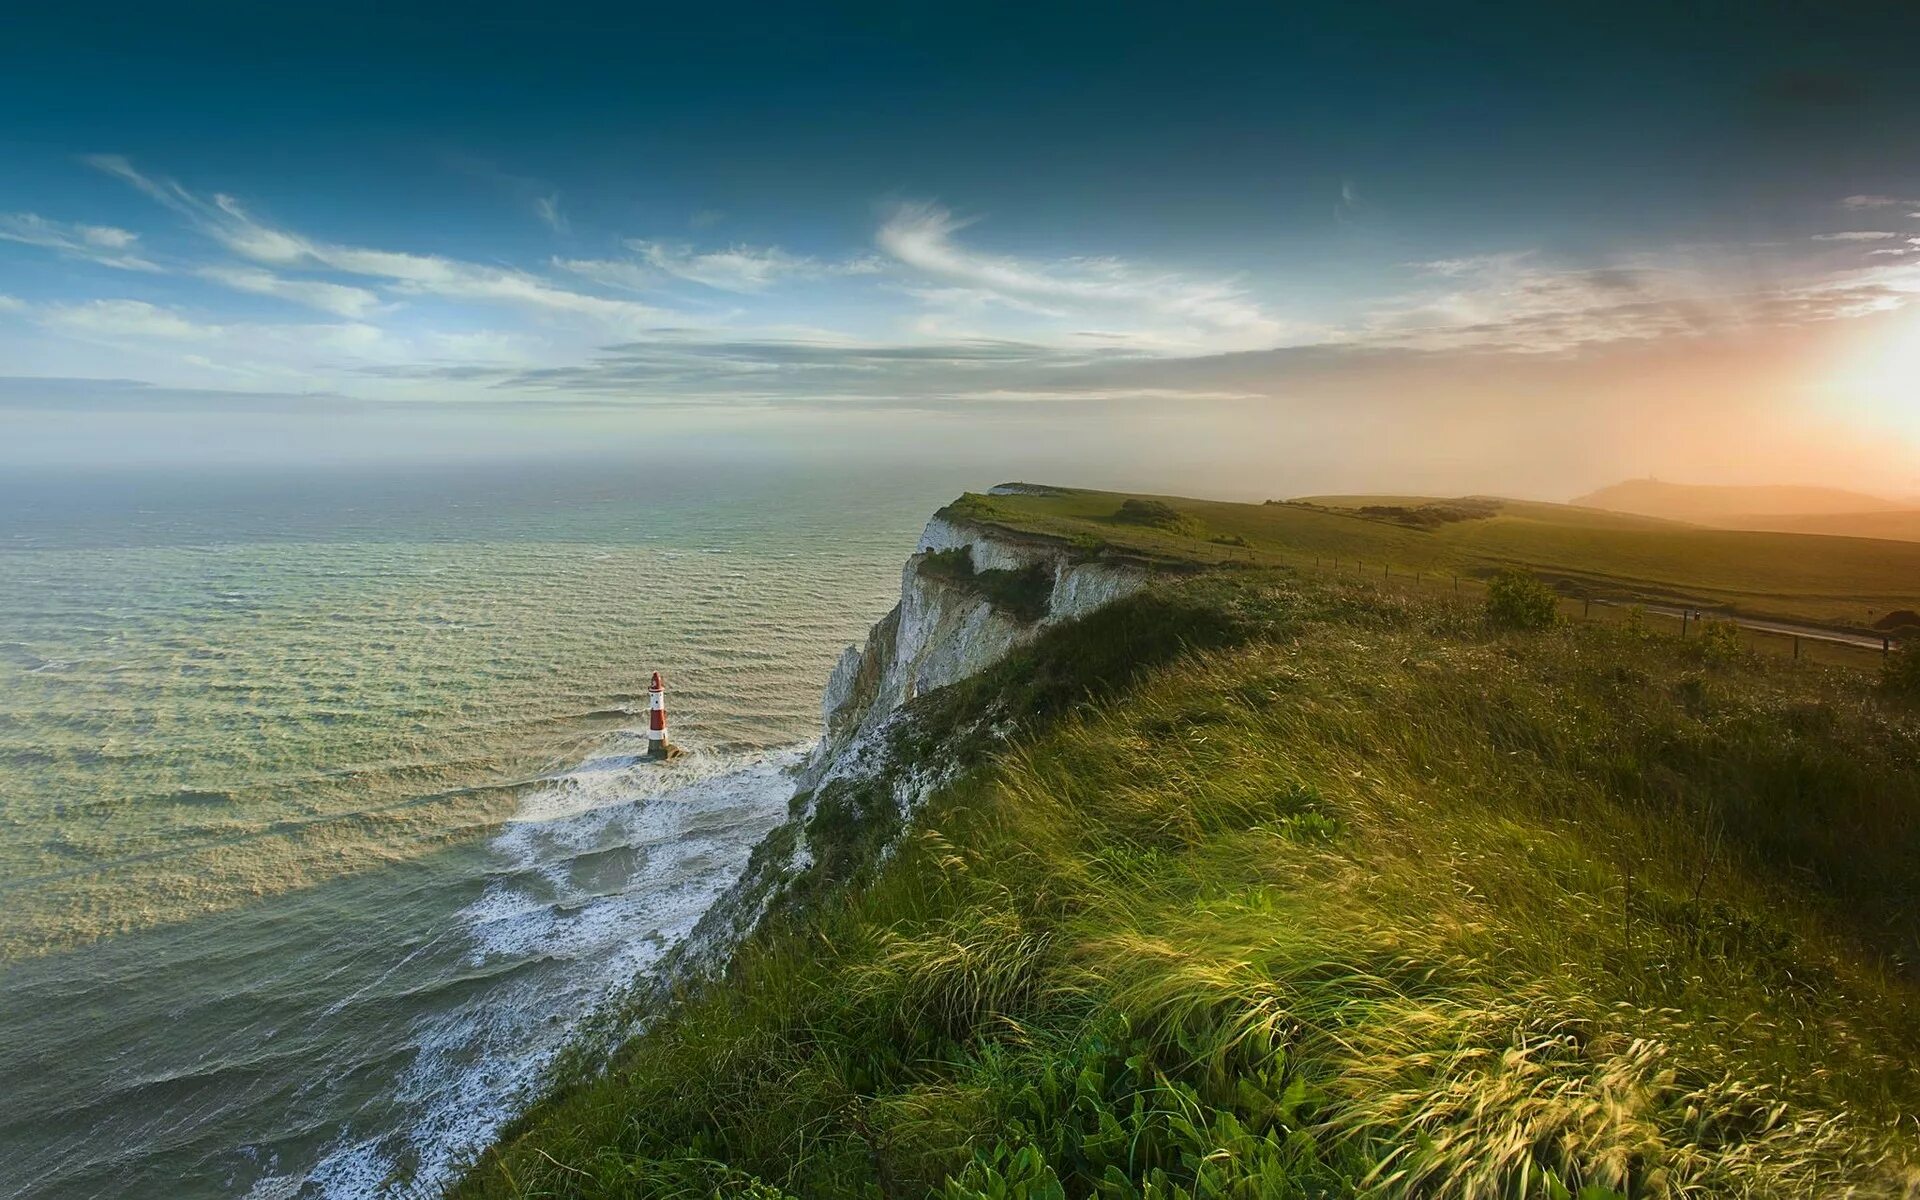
(594, 878)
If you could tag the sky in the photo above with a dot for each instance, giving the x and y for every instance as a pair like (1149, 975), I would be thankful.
(1238, 250)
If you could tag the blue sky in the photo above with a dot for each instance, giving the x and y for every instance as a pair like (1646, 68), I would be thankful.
(1219, 234)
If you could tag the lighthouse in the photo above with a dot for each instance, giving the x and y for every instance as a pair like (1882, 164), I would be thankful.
(657, 746)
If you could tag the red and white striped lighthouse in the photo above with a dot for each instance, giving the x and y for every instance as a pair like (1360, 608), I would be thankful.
(657, 719)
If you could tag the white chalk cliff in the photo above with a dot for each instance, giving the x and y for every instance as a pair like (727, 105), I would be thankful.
(943, 631)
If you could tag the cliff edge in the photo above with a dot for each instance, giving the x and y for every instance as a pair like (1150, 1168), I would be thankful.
(967, 599)
(971, 593)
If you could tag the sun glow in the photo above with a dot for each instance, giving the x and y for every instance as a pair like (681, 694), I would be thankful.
(1880, 375)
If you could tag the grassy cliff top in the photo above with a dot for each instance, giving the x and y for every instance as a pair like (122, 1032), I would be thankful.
(1273, 883)
(1839, 581)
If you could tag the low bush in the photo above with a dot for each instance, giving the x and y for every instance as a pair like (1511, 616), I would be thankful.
(1088, 545)
(1518, 600)
(1155, 514)
(1719, 641)
(1434, 514)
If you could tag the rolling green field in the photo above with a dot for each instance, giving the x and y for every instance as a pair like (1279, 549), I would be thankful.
(1836, 581)
(1268, 883)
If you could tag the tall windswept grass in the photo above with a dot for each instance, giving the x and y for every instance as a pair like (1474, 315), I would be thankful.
(1357, 897)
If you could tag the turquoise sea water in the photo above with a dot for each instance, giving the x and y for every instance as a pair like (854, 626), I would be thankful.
(321, 812)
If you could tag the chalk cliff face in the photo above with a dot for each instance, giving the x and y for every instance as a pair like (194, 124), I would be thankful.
(943, 631)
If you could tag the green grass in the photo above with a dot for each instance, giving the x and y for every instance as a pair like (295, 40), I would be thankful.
(1284, 886)
(1810, 577)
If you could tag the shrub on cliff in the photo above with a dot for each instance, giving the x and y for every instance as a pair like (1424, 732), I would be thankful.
(1518, 600)
(1023, 592)
(1155, 514)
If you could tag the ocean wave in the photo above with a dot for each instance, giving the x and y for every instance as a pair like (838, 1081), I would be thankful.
(596, 875)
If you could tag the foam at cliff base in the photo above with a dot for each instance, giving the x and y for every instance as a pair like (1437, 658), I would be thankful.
(594, 879)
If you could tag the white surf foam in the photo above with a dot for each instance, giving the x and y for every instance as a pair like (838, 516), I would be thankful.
(591, 882)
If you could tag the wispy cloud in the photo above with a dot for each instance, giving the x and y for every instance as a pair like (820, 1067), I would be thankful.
(125, 318)
(1856, 235)
(102, 244)
(735, 269)
(541, 198)
(1868, 201)
(1349, 209)
(811, 369)
(300, 355)
(339, 299)
(740, 269)
(922, 237)
(1520, 303)
(225, 220)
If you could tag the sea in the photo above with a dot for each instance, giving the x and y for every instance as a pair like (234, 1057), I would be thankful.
(324, 816)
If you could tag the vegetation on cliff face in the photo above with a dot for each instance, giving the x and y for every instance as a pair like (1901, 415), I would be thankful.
(1268, 886)
(1022, 594)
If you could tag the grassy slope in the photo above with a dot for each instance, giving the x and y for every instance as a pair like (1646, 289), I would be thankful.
(1355, 897)
(1795, 576)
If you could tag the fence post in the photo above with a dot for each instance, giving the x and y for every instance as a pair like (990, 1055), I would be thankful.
(1683, 622)
(1796, 647)
(1586, 607)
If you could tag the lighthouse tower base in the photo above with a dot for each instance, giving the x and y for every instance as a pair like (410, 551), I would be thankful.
(658, 747)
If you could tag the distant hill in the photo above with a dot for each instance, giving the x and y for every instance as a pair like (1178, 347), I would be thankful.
(1835, 512)
(1901, 525)
(1709, 504)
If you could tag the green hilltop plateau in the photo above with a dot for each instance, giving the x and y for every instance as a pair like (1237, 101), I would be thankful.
(1843, 582)
(1304, 871)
